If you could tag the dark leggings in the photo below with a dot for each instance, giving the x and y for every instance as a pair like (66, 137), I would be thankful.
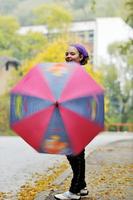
(78, 167)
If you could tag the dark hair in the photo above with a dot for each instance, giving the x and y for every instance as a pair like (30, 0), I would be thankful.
(84, 60)
(82, 52)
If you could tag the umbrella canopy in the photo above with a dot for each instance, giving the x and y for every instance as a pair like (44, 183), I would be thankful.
(57, 108)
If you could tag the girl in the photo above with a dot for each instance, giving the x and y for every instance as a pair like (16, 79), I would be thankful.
(76, 53)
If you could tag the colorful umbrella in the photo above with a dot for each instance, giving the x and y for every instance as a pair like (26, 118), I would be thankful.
(57, 108)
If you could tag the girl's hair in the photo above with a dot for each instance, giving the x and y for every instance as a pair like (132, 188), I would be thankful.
(82, 51)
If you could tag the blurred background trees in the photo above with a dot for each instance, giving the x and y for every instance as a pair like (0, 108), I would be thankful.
(54, 16)
(129, 12)
(118, 81)
(32, 48)
(23, 10)
(8, 27)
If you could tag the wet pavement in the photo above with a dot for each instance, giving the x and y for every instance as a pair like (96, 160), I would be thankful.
(109, 173)
(109, 164)
(19, 162)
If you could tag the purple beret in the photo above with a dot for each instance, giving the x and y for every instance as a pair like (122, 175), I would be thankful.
(81, 49)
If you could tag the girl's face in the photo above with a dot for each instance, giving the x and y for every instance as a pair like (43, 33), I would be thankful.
(72, 54)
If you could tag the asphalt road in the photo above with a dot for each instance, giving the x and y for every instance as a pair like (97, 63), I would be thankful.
(19, 161)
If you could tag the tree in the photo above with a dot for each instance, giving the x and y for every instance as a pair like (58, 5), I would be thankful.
(129, 11)
(54, 16)
(8, 28)
(7, 6)
(54, 52)
(121, 53)
(80, 9)
(107, 8)
(16, 45)
(30, 45)
(119, 80)
(80, 5)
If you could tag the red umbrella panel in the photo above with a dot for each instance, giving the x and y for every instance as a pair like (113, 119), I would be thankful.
(57, 108)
